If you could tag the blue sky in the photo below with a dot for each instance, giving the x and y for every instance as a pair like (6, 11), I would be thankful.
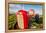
(16, 7)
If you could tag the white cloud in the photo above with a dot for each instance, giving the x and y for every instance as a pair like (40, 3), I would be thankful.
(39, 11)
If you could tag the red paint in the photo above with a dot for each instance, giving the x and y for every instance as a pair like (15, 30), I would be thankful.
(25, 18)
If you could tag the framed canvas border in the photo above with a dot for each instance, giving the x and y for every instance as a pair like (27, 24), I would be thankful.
(21, 2)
